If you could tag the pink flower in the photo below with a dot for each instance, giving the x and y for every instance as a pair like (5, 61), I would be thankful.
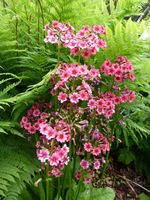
(78, 174)
(65, 75)
(74, 71)
(32, 130)
(118, 72)
(96, 164)
(131, 77)
(123, 98)
(44, 128)
(50, 133)
(74, 98)
(100, 110)
(57, 173)
(101, 43)
(99, 29)
(96, 151)
(83, 95)
(27, 125)
(52, 80)
(55, 24)
(109, 113)
(65, 148)
(95, 73)
(54, 159)
(61, 137)
(74, 51)
(82, 44)
(118, 79)
(36, 112)
(65, 160)
(87, 180)
(84, 164)
(24, 120)
(81, 34)
(43, 115)
(88, 147)
(86, 28)
(117, 100)
(86, 86)
(86, 54)
(62, 97)
(131, 96)
(92, 104)
(43, 155)
(53, 92)
(100, 102)
(83, 69)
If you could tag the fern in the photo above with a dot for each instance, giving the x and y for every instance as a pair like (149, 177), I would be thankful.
(14, 173)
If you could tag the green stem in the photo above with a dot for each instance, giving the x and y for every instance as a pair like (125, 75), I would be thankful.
(69, 167)
(58, 56)
(51, 189)
(47, 182)
(64, 182)
(107, 156)
(59, 187)
(79, 58)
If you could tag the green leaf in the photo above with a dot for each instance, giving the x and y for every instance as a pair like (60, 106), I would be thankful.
(97, 194)
(144, 197)
(56, 198)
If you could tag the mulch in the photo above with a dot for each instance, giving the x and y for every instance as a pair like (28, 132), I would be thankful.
(124, 180)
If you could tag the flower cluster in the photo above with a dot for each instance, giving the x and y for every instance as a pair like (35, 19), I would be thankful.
(84, 41)
(79, 125)
(122, 69)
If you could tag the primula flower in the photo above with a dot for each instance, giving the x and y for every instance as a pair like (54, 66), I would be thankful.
(100, 110)
(96, 164)
(27, 125)
(78, 174)
(83, 95)
(54, 159)
(50, 133)
(65, 75)
(86, 54)
(65, 160)
(86, 28)
(117, 100)
(74, 51)
(61, 137)
(74, 98)
(62, 97)
(95, 73)
(81, 34)
(87, 180)
(131, 96)
(84, 164)
(44, 128)
(88, 147)
(32, 130)
(43, 155)
(123, 98)
(96, 151)
(83, 69)
(74, 71)
(92, 104)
